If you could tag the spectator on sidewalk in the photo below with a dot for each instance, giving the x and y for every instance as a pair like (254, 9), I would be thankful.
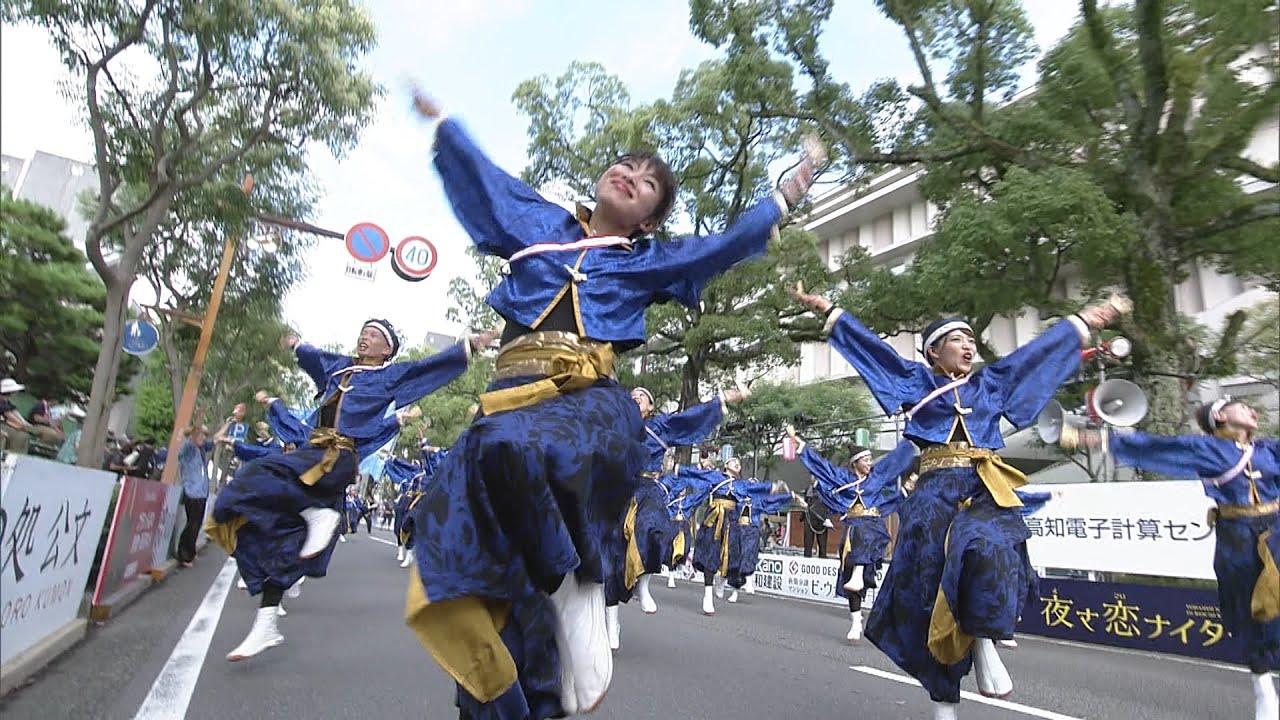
(193, 470)
(14, 428)
(71, 445)
(44, 424)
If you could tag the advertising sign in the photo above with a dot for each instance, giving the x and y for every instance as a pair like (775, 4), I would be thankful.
(131, 541)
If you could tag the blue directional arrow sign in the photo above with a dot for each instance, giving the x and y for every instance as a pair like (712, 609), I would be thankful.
(140, 337)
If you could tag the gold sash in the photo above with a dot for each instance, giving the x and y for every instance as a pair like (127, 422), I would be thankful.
(715, 519)
(678, 549)
(999, 476)
(1264, 605)
(568, 361)
(333, 444)
(634, 567)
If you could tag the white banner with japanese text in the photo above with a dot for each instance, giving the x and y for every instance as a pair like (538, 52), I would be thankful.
(51, 518)
(1143, 528)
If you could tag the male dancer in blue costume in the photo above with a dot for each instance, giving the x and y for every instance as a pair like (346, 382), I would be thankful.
(1241, 474)
(958, 576)
(515, 614)
(643, 541)
(863, 496)
(718, 544)
(751, 514)
(283, 509)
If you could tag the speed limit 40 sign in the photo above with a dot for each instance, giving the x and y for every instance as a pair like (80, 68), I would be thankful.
(414, 259)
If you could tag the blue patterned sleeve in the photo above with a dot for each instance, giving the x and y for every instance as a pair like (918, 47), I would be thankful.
(888, 469)
(501, 214)
(893, 380)
(683, 267)
(1189, 457)
(690, 426)
(774, 503)
(246, 452)
(829, 476)
(1032, 502)
(890, 500)
(1027, 378)
(319, 364)
(288, 429)
(409, 382)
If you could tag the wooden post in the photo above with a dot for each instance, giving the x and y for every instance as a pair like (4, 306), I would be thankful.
(182, 418)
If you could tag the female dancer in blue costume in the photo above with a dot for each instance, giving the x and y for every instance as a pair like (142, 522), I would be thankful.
(958, 579)
(641, 545)
(353, 509)
(863, 498)
(283, 509)
(718, 544)
(409, 492)
(750, 516)
(1242, 475)
(508, 595)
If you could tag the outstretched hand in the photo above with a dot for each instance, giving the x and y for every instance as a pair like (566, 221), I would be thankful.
(815, 303)
(796, 185)
(424, 104)
(1104, 313)
(484, 339)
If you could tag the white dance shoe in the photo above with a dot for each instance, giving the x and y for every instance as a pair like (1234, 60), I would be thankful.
(264, 634)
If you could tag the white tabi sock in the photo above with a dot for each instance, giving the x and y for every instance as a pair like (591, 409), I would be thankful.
(586, 664)
(855, 629)
(708, 605)
(399, 552)
(322, 523)
(613, 626)
(671, 577)
(264, 634)
(1266, 706)
(856, 582)
(733, 596)
(647, 603)
(408, 558)
(945, 711)
(989, 670)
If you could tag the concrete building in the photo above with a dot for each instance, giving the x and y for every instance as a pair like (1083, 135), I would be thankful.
(55, 182)
(890, 220)
(439, 341)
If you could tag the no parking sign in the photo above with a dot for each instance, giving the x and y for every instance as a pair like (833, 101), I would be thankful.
(367, 242)
(414, 259)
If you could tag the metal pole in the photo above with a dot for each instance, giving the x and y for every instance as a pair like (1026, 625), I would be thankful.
(182, 418)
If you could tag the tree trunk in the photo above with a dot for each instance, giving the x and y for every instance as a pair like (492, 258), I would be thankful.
(94, 433)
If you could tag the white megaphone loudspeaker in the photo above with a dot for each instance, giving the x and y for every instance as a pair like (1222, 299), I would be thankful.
(1119, 403)
(1052, 420)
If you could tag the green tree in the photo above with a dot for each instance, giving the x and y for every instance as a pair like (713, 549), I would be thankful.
(470, 309)
(720, 146)
(1127, 164)
(447, 411)
(205, 87)
(153, 402)
(52, 319)
(826, 414)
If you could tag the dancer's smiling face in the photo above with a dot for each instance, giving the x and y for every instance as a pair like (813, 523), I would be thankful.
(1238, 415)
(372, 345)
(634, 195)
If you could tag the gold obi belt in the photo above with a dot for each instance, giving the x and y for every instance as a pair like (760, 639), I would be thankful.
(565, 360)
(1236, 512)
(333, 444)
(715, 520)
(860, 510)
(999, 477)
(651, 475)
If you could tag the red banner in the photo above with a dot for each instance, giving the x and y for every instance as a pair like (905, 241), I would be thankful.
(132, 539)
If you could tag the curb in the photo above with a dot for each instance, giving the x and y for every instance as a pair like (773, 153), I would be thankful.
(120, 599)
(38, 656)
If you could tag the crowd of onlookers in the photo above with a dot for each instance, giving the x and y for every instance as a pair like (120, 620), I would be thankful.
(53, 431)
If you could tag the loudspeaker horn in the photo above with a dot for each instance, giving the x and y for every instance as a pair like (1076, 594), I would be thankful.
(1119, 403)
(1054, 422)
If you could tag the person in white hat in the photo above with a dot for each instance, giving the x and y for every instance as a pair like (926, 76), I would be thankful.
(14, 428)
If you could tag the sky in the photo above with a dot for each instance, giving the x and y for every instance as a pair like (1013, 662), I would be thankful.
(470, 55)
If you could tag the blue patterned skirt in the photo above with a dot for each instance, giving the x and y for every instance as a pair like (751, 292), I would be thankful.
(681, 541)
(652, 532)
(1238, 565)
(401, 524)
(974, 557)
(865, 541)
(269, 496)
(525, 497)
(743, 547)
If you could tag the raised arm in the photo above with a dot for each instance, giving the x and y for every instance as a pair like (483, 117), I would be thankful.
(689, 426)
(246, 452)
(288, 429)
(316, 363)
(1179, 456)
(500, 213)
(409, 382)
(893, 380)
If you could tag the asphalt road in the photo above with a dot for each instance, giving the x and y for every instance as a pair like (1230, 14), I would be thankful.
(347, 654)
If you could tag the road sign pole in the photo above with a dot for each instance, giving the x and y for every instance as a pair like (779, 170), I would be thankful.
(182, 418)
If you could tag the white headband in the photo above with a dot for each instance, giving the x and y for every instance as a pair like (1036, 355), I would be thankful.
(386, 333)
(942, 331)
(1216, 408)
(859, 456)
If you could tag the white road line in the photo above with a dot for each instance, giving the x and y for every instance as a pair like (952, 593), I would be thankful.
(384, 542)
(1004, 704)
(171, 693)
(1140, 653)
